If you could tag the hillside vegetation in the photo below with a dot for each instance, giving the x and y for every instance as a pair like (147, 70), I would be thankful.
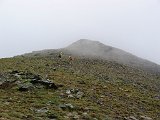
(50, 88)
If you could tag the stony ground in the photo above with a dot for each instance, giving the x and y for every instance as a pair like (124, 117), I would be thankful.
(49, 88)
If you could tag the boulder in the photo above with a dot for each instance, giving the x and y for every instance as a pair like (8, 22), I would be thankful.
(47, 83)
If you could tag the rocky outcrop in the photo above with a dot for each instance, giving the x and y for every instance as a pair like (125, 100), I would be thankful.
(25, 81)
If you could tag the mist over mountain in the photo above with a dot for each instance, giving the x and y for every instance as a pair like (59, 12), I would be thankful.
(96, 49)
(90, 48)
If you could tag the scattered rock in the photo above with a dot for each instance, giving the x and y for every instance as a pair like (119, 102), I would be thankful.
(54, 69)
(68, 106)
(42, 110)
(85, 116)
(79, 95)
(74, 93)
(145, 118)
(17, 75)
(73, 116)
(130, 118)
(70, 96)
(68, 92)
(6, 103)
(157, 97)
(85, 113)
(62, 106)
(95, 119)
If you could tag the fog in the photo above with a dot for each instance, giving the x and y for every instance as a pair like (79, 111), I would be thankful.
(29, 25)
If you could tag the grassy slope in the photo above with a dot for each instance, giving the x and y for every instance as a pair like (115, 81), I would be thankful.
(110, 89)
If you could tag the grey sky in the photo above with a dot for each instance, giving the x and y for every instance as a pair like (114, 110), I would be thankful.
(131, 25)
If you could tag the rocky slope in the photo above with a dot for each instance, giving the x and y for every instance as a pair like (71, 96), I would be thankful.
(90, 48)
(50, 88)
(95, 49)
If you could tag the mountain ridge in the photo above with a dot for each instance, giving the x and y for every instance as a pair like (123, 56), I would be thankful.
(96, 49)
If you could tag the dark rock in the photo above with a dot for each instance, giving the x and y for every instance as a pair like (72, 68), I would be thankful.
(26, 87)
(23, 89)
(54, 69)
(60, 86)
(37, 77)
(74, 91)
(17, 75)
(47, 83)
(32, 76)
(62, 106)
(14, 72)
(51, 116)
(27, 75)
(81, 82)
(47, 65)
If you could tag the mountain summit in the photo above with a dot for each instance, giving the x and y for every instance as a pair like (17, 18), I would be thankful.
(88, 48)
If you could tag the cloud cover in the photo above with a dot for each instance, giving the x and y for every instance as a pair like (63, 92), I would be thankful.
(131, 25)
